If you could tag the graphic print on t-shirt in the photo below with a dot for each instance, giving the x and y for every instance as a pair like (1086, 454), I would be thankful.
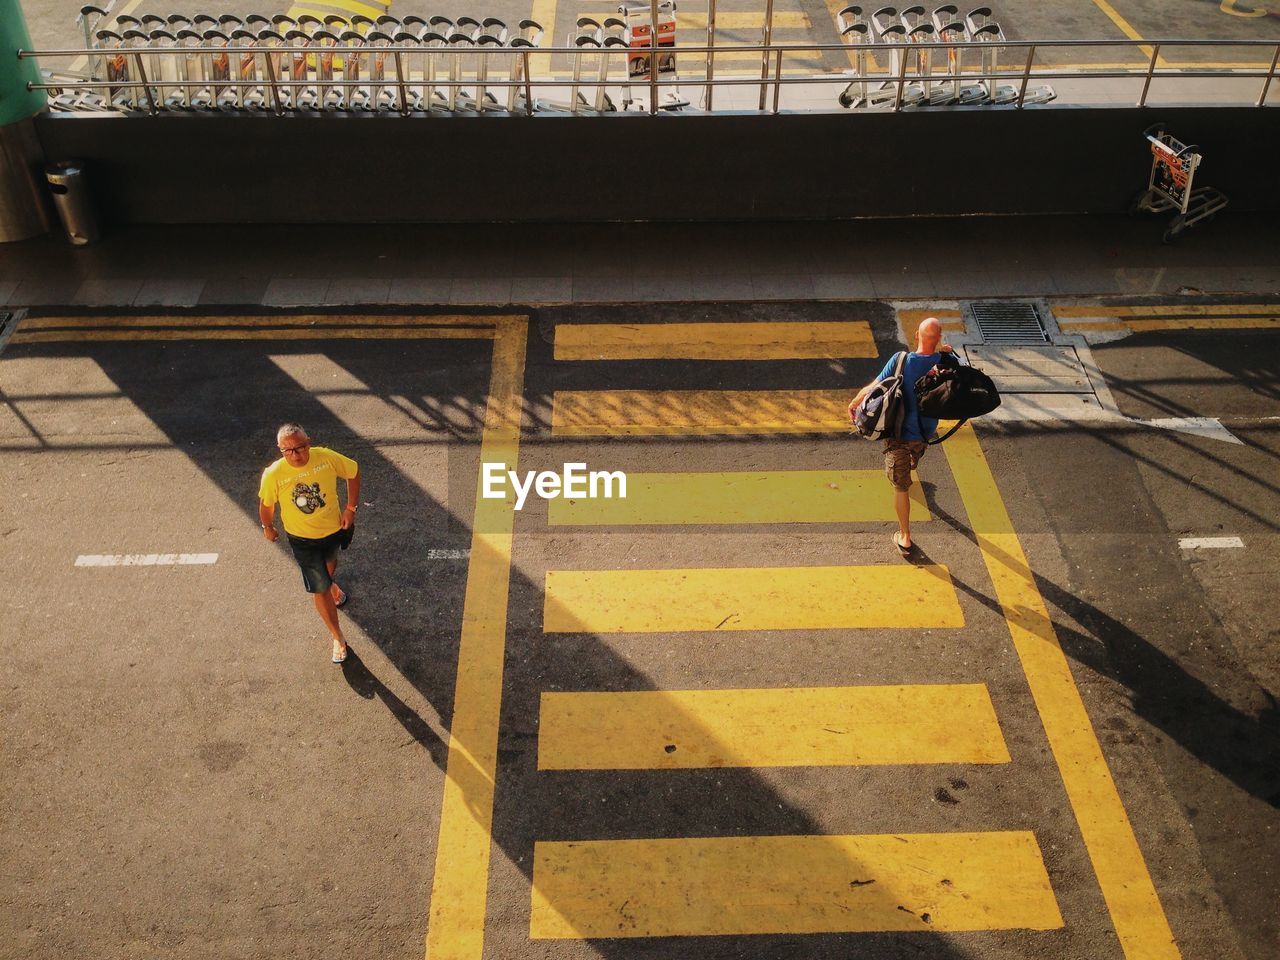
(306, 497)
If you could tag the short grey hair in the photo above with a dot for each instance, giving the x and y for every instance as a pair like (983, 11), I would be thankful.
(290, 430)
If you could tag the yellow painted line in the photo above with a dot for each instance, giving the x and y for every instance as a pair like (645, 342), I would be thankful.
(1127, 29)
(727, 21)
(779, 496)
(749, 598)
(791, 727)
(1166, 310)
(455, 928)
(373, 10)
(928, 883)
(1136, 914)
(594, 413)
(714, 341)
(281, 320)
(794, 56)
(282, 333)
(1170, 323)
(544, 13)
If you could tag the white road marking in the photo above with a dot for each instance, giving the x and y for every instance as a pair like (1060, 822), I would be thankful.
(1209, 543)
(144, 559)
(1210, 427)
(448, 554)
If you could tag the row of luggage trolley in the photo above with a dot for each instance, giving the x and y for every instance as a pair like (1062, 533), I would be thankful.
(977, 38)
(356, 63)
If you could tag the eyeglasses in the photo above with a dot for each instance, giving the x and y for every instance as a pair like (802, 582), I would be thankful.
(298, 449)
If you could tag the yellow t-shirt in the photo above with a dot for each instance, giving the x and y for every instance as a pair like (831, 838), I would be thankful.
(308, 496)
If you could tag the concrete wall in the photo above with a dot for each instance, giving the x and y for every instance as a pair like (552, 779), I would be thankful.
(307, 169)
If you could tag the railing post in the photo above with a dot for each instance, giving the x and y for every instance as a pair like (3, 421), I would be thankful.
(1270, 76)
(275, 90)
(768, 41)
(777, 80)
(902, 74)
(711, 57)
(653, 58)
(1026, 75)
(146, 85)
(1146, 85)
(404, 91)
(528, 86)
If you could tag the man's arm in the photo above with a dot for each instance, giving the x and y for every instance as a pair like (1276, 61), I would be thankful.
(267, 517)
(853, 404)
(353, 501)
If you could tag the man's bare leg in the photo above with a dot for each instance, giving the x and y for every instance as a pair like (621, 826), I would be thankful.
(902, 504)
(328, 611)
(335, 591)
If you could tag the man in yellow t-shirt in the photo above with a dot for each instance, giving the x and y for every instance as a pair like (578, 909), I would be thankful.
(304, 482)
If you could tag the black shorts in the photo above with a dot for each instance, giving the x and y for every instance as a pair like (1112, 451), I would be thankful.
(312, 557)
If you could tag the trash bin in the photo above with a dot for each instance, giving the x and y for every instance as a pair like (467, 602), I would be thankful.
(72, 201)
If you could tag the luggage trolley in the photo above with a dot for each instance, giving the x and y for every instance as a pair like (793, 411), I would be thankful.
(1173, 170)
(637, 16)
(857, 34)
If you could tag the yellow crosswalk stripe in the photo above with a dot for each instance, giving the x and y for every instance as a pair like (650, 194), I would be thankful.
(1139, 920)
(791, 727)
(777, 496)
(714, 341)
(929, 883)
(749, 598)
(595, 413)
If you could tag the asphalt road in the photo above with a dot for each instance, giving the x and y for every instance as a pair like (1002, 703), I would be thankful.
(186, 775)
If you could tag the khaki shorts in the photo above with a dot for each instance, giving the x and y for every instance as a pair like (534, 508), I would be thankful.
(900, 458)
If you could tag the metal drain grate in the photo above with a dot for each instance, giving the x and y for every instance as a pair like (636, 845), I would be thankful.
(1005, 321)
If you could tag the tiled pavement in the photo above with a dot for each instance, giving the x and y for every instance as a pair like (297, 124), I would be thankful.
(282, 265)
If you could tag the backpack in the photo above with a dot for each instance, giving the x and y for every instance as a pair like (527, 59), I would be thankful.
(955, 393)
(879, 415)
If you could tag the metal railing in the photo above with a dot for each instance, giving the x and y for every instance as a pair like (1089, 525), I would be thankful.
(771, 78)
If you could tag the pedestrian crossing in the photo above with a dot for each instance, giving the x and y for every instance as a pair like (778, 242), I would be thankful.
(960, 881)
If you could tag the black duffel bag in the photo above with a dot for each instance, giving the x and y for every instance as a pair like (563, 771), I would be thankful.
(955, 393)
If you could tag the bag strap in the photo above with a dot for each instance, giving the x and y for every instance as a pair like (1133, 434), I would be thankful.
(958, 425)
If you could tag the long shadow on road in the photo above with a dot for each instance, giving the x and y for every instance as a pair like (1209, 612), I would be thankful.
(219, 403)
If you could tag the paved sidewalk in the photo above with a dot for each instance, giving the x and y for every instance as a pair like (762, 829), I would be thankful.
(280, 265)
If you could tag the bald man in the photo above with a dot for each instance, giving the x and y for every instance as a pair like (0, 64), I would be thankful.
(902, 455)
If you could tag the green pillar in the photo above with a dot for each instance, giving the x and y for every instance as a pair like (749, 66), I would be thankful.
(24, 205)
(16, 101)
